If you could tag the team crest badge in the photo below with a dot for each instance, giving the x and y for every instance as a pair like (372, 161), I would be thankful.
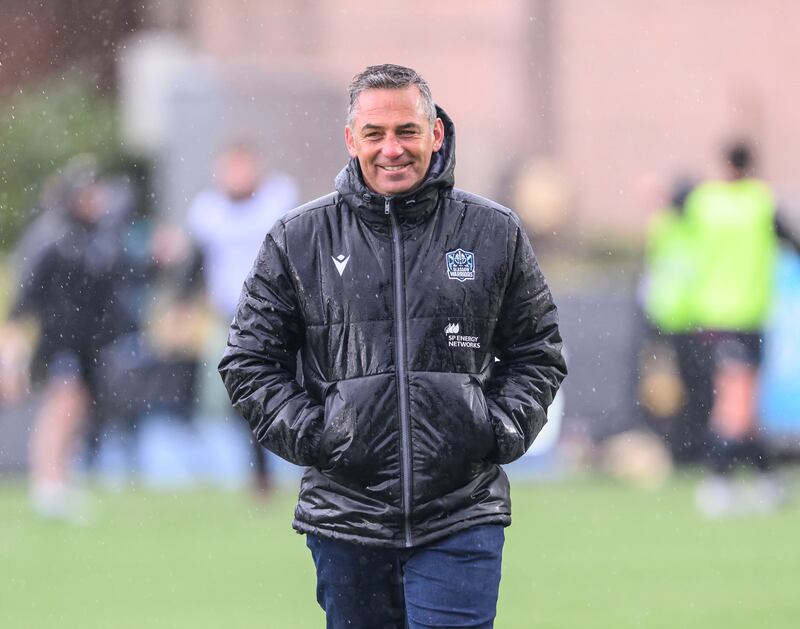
(460, 265)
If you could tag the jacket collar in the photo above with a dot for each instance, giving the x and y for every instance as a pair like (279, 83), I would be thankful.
(411, 208)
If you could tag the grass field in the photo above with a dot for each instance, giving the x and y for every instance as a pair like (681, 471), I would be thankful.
(581, 554)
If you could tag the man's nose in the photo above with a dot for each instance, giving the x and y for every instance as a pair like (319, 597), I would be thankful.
(392, 147)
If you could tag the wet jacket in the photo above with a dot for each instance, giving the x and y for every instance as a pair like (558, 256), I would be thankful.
(429, 347)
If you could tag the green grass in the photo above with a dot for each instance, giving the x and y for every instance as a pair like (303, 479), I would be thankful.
(581, 554)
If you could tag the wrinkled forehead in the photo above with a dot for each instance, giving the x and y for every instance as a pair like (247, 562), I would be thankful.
(397, 102)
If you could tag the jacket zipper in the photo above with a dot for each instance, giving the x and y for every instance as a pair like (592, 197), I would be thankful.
(402, 372)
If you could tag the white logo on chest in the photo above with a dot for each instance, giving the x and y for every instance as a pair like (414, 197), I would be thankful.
(460, 265)
(341, 262)
(454, 339)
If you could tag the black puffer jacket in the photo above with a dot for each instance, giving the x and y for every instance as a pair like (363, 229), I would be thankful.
(399, 307)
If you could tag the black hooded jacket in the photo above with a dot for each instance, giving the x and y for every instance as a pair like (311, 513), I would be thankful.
(430, 352)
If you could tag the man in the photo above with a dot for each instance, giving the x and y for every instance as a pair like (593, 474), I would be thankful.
(734, 229)
(400, 293)
(228, 223)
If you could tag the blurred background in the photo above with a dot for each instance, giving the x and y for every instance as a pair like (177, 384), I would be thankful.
(144, 123)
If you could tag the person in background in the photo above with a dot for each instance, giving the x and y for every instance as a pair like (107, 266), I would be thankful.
(735, 229)
(399, 291)
(675, 384)
(669, 264)
(69, 286)
(228, 223)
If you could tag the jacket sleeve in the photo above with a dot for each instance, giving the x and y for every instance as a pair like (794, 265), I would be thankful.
(528, 345)
(259, 364)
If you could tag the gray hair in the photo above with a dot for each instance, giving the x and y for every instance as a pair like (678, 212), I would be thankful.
(393, 77)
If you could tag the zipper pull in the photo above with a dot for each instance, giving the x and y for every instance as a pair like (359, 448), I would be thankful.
(387, 206)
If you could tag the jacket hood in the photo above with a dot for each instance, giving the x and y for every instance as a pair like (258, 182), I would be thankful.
(415, 204)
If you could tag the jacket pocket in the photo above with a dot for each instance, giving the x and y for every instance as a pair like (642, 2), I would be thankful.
(338, 432)
(358, 446)
(452, 435)
(482, 420)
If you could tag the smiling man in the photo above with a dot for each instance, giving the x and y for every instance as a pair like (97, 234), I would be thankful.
(393, 136)
(430, 352)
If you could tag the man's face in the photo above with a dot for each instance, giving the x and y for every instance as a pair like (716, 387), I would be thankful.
(238, 173)
(392, 139)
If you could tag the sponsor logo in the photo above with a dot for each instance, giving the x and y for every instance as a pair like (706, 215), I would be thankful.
(457, 340)
(460, 265)
(341, 262)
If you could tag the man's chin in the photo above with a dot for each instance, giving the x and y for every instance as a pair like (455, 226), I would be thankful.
(396, 188)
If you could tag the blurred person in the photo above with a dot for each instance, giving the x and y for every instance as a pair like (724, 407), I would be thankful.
(228, 222)
(669, 264)
(735, 230)
(151, 373)
(430, 352)
(675, 385)
(70, 287)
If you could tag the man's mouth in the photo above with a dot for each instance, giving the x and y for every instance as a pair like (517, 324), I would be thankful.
(393, 168)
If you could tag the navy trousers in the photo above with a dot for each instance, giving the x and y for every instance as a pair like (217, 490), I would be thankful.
(450, 583)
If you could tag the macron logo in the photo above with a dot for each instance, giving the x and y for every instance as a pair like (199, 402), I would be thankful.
(452, 328)
(341, 262)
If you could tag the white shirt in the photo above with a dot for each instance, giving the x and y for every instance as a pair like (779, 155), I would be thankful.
(230, 234)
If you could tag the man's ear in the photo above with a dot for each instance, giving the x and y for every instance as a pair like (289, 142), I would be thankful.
(438, 134)
(350, 141)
